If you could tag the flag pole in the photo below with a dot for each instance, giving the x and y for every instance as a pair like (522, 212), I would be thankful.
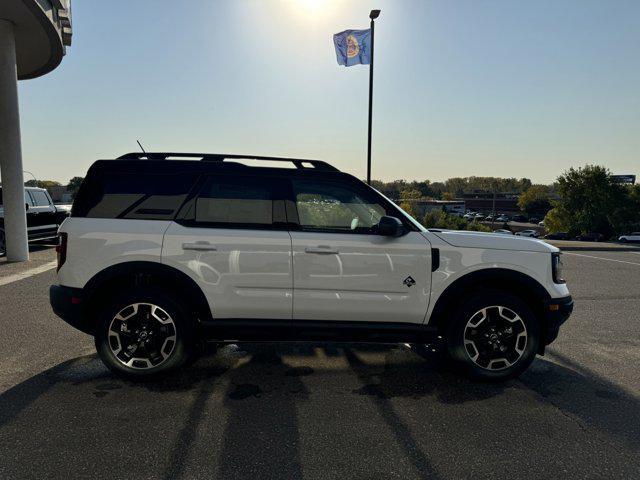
(373, 15)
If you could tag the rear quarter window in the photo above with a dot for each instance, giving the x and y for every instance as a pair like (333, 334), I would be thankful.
(136, 196)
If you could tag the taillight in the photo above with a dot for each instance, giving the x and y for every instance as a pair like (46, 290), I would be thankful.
(61, 249)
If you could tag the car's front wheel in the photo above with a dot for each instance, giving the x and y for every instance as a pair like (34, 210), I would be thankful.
(144, 333)
(493, 336)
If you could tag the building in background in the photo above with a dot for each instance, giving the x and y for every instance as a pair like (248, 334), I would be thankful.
(60, 193)
(482, 201)
(624, 179)
(34, 35)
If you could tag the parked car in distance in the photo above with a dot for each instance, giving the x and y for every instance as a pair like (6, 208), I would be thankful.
(632, 237)
(534, 220)
(503, 218)
(519, 218)
(478, 217)
(503, 231)
(541, 223)
(43, 217)
(557, 236)
(161, 254)
(528, 233)
(591, 237)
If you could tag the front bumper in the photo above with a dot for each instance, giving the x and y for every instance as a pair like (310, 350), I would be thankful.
(68, 304)
(557, 311)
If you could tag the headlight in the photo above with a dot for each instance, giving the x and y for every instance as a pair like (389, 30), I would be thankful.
(556, 268)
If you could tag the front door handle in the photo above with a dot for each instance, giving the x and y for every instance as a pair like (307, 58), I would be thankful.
(200, 246)
(322, 250)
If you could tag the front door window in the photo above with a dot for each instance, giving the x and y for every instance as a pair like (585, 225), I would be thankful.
(331, 207)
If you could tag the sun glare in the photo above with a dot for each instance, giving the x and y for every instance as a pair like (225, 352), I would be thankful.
(311, 7)
(312, 4)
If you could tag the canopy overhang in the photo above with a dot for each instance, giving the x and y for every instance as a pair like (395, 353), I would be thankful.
(42, 30)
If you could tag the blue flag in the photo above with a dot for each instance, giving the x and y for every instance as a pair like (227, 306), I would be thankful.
(353, 47)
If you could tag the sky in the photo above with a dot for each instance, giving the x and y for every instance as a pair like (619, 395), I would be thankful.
(461, 87)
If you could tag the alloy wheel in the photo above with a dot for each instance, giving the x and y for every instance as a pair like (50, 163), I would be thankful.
(495, 337)
(142, 336)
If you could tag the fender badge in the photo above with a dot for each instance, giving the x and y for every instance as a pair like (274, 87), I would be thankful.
(409, 281)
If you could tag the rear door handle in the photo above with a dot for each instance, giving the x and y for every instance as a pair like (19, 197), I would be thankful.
(322, 250)
(200, 246)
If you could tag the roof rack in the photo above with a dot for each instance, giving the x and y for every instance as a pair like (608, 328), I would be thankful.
(299, 163)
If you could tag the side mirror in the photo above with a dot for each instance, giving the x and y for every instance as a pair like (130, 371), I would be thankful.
(390, 227)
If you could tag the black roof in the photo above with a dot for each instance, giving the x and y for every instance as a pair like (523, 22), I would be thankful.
(203, 163)
(219, 158)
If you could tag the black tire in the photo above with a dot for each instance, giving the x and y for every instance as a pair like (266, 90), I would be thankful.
(172, 345)
(3, 245)
(467, 328)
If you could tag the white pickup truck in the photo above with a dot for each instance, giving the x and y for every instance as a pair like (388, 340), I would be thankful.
(163, 251)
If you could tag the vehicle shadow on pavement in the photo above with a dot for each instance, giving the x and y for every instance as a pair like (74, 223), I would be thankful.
(236, 414)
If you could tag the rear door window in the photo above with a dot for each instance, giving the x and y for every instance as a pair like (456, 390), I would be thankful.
(238, 202)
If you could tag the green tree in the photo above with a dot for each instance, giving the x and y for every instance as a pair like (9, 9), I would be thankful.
(411, 194)
(535, 200)
(448, 196)
(74, 185)
(410, 208)
(42, 183)
(557, 220)
(591, 202)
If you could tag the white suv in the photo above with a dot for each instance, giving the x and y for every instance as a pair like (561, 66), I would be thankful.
(164, 251)
(632, 237)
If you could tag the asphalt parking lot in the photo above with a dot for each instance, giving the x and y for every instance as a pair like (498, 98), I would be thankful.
(326, 411)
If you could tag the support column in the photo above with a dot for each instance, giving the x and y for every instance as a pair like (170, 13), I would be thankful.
(15, 221)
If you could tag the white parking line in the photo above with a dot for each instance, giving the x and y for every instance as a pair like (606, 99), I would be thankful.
(600, 258)
(27, 273)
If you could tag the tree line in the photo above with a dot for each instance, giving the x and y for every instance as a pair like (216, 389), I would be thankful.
(451, 188)
(582, 200)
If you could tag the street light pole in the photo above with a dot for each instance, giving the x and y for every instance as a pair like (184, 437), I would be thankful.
(34, 177)
(373, 15)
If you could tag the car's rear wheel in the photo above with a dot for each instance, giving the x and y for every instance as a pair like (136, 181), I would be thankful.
(144, 333)
(494, 336)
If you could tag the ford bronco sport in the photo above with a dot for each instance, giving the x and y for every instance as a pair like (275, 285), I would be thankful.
(163, 251)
